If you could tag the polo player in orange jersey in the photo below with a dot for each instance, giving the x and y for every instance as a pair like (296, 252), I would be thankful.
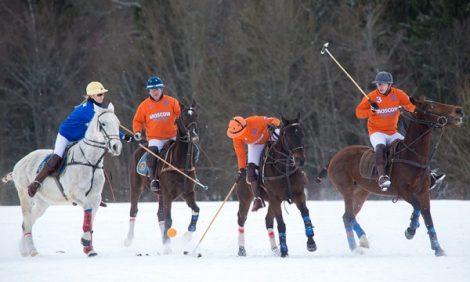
(382, 112)
(253, 132)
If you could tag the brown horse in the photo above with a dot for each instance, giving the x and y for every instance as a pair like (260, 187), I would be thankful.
(181, 154)
(282, 180)
(409, 172)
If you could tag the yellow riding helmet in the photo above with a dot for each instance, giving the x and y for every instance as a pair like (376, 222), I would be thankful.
(94, 88)
(236, 126)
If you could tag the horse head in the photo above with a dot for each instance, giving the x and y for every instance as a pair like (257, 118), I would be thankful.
(291, 137)
(187, 123)
(104, 130)
(437, 114)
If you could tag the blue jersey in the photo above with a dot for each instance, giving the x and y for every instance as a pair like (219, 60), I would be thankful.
(75, 125)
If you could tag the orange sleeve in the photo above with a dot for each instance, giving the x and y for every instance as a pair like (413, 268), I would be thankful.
(274, 121)
(139, 119)
(406, 103)
(363, 109)
(177, 108)
(240, 151)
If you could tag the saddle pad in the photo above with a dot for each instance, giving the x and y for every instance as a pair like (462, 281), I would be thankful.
(367, 165)
(142, 167)
(61, 169)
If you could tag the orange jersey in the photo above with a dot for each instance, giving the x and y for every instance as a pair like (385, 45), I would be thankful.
(384, 120)
(158, 118)
(256, 132)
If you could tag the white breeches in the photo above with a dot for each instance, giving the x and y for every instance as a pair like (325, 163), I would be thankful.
(382, 138)
(61, 144)
(255, 150)
(159, 142)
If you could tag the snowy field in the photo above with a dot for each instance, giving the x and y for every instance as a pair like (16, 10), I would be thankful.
(391, 256)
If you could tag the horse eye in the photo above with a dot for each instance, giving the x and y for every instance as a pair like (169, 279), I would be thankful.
(103, 124)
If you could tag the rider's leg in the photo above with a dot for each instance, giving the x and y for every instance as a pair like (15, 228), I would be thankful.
(152, 165)
(254, 155)
(384, 179)
(50, 166)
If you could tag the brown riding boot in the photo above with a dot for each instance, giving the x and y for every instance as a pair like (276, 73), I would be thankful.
(152, 165)
(253, 179)
(49, 167)
(384, 180)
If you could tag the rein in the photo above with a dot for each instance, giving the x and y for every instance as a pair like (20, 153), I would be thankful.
(286, 159)
(104, 146)
(440, 122)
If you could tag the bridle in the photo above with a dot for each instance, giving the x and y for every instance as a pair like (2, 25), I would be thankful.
(439, 122)
(108, 137)
(187, 129)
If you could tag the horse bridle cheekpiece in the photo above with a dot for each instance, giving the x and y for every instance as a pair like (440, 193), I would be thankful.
(108, 137)
(282, 134)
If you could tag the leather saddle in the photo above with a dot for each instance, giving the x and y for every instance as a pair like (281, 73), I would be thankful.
(367, 167)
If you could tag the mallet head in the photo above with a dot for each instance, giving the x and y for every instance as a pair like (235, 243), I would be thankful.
(325, 46)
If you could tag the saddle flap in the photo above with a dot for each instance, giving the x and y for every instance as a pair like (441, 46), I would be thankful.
(62, 165)
(367, 164)
(142, 167)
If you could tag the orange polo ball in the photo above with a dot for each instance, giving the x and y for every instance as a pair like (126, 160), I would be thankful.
(171, 232)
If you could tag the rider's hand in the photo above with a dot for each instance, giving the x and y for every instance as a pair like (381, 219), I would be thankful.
(241, 174)
(137, 136)
(128, 138)
(373, 106)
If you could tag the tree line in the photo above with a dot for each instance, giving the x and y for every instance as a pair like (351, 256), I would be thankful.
(233, 58)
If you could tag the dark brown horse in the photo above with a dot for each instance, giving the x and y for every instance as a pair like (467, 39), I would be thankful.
(282, 180)
(409, 172)
(181, 154)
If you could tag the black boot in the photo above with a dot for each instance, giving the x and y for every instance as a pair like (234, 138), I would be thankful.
(49, 167)
(152, 162)
(384, 180)
(253, 179)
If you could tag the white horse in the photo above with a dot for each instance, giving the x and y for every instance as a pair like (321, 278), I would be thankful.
(81, 182)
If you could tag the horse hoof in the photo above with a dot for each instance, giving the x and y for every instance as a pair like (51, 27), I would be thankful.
(127, 242)
(410, 233)
(440, 253)
(276, 251)
(241, 252)
(363, 242)
(311, 247)
(33, 253)
(92, 254)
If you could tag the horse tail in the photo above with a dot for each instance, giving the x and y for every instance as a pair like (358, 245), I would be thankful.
(323, 173)
(8, 177)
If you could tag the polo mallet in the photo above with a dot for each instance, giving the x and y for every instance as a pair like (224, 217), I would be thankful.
(213, 219)
(204, 187)
(325, 49)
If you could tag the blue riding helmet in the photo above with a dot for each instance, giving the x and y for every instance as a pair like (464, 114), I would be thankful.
(154, 82)
(383, 77)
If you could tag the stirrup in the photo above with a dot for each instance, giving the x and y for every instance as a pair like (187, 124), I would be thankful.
(384, 182)
(436, 179)
(155, 185)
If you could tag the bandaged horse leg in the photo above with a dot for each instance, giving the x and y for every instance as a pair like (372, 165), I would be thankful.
(311, 245)
(252, 177)
(414, 223)
(30, 214)
(152, 165)
(87, 240)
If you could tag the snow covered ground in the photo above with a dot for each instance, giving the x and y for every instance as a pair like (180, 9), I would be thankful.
(391, 256)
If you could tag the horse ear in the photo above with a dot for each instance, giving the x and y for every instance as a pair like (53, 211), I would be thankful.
(298, 116)
(111, 107)
(284, 121)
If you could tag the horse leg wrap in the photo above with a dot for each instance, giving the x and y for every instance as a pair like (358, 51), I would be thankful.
(357, 228)
(433, 237)
(272, 239)
(308, 226)
(87, 220)
(283, 244)
(241, 236)
(192, 224)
